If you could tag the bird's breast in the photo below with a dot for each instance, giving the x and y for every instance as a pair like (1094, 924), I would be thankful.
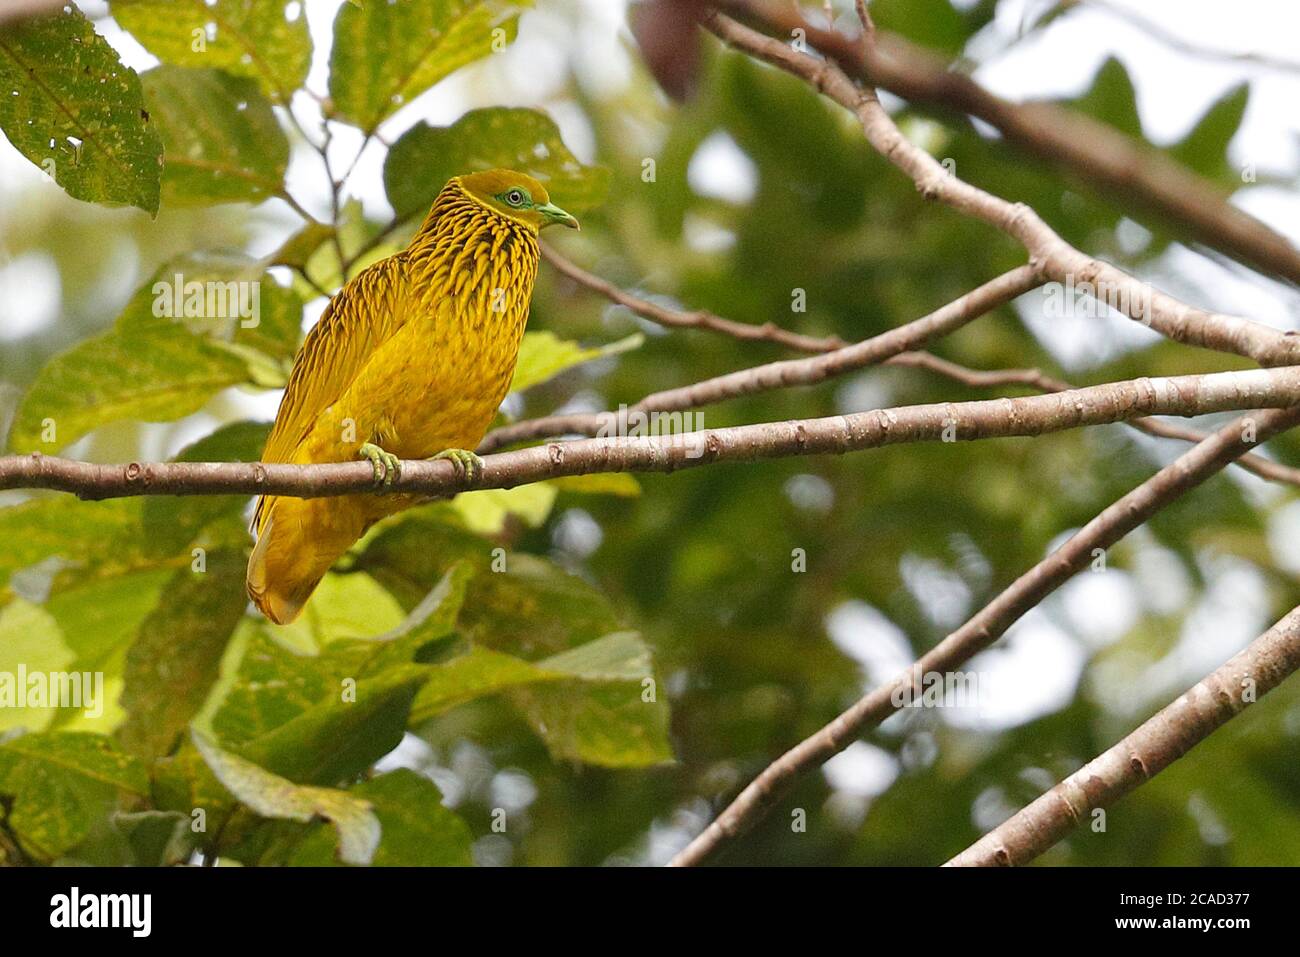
(459, 363)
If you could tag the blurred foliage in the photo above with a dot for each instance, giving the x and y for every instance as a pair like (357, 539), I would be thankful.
(582, 671)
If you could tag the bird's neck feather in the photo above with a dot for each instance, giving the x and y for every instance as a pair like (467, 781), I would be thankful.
(466, 250)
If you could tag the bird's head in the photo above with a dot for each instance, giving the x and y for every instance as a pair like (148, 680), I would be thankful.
(517, 196)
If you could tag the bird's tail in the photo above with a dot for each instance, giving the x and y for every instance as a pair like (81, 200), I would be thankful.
(297, 542)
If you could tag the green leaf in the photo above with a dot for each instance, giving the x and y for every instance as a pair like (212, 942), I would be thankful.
(1112, 99)
(1205, 148)
(622, 656)
(299, 248)
(347, 732)
(157, 838)
(479, 673)
(621, 484)
(425, 157)
(269, 687)
(69, 105)
(172, 522)
(430, 623)
(175, 658)
(41, 533)
(609, 715)
(544, 355)
(417, 830)
(931, 23)
(30, 639)
(587, 704)
(343, 607)
(423, 41)
(485, 512)
(156, 365)
(609, 724)
(221, 142)
(106, 379)
(272, 685)
(274, 797)
(60, 787)
(99, 617)
(241, 37)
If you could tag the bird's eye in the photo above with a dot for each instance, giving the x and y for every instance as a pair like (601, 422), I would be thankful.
(515, 198)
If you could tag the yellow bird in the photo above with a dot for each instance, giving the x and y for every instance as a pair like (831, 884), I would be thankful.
(410, 360)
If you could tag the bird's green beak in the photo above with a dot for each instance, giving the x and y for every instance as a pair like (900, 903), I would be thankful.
(552, 214)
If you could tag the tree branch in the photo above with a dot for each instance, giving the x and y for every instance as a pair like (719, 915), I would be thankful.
(594, 423)
(978, 378)
(782, 374)
(947, 421)
(1222, 695)
(1100, 154)
(1052, 255)
(989, 624)
(697, 319)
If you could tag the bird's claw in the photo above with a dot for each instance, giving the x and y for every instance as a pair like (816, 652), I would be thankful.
(387, 466)
(466, 462)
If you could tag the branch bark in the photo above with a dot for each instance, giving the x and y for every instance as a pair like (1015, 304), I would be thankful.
(989, 624)
(591, 424)
(1098, 153)
(1049, 253)
(784, 373)
(946, 421)
(1222, 695)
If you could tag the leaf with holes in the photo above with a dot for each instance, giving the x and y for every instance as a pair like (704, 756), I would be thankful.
(69, 105)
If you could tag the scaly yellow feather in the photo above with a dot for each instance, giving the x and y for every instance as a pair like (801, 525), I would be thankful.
(413, 355)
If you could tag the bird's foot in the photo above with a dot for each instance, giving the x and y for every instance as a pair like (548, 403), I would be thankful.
(466, 462)
(387, 466)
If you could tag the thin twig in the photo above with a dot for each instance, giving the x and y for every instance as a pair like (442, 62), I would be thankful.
(590, 424)
(1053, 256)
(788, 372)
(990, 623)
(1161, 740)
(696, 319)
(1176, 42)
(1122, 167)
(1035, 379)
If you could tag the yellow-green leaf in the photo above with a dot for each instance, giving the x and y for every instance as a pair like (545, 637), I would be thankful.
(166, 356)
(174, 658)
(422, 42)
(417, 830)
(61, 786)
(485, 512)
(221, 142)
(272, 796)
(544, 355)
(30, 641)
(622, 484)
(69, 105)
(425, 157)
(243, 37)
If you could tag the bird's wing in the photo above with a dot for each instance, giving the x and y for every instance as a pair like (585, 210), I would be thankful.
(362, 316)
